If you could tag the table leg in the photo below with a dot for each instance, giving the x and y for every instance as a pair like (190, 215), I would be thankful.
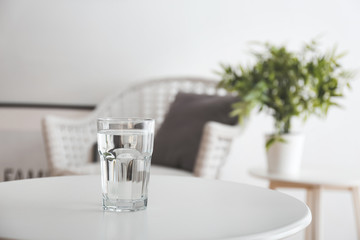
(272, 185)
(313, 200)
(356, 198)
(317, 210)
(309, 202)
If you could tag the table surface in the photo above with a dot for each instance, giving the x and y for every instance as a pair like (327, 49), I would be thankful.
(178, 208)
(315, 175)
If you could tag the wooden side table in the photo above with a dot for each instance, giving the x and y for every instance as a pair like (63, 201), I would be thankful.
(314, 181)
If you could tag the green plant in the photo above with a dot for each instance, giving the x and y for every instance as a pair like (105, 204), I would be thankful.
(287, 84)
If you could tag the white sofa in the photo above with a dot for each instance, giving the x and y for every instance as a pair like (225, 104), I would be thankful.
(69, 142)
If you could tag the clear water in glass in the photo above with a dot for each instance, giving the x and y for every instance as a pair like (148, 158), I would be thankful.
(125, 157)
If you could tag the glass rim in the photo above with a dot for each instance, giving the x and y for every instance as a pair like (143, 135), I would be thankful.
(125, 119)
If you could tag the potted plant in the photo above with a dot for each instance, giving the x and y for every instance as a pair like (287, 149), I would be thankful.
(287, 85)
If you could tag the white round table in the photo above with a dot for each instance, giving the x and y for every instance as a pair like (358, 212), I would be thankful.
(178, 208)
(314, 180)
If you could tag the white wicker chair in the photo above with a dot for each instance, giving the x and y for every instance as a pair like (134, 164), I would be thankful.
(69, 142)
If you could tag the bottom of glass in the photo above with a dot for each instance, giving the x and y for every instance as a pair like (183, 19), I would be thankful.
(124, 205)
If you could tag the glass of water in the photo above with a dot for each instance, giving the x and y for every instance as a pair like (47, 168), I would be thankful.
(125, 146)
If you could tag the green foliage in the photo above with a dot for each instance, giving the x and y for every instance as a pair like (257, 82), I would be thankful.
(287, 84)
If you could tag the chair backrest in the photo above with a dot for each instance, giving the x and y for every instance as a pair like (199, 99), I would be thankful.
(69, 141)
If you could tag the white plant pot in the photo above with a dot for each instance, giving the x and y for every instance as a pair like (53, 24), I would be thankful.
(285, 157)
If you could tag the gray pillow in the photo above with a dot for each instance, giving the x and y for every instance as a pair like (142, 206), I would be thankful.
(177, 141)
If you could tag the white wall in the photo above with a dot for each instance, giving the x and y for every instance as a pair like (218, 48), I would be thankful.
(52, 50)
(55, 51)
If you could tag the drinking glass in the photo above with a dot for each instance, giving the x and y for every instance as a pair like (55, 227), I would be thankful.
(125, 146)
